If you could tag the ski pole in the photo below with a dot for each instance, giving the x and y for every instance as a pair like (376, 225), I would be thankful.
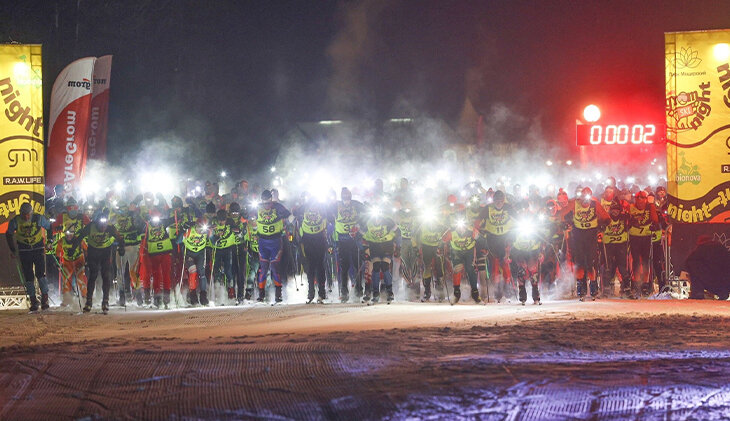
(178, 287)
(212, 276)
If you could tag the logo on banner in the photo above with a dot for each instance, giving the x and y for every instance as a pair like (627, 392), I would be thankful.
(689, 109)
(685, 58)
(688, 172)
(84, 83)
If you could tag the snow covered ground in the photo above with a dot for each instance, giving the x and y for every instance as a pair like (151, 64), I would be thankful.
(608, 359)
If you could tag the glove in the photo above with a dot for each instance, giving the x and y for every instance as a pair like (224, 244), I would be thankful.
(121, 251)
(330, 250)
(397, 252)
(189, 200)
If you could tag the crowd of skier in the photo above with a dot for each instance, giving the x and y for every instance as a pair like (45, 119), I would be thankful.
(233, 249)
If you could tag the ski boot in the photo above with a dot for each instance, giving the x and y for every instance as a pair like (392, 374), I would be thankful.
(247, 295)
(320, 299)
(147, 296)
(262, 295)
(389, 291)
(138, 297)
(33, 303)
(203, 298)
(166, 298)
(536, 296)
(375, 299)
(122, 299)
(193, 297)
(87, 307)
(277, 295)
(105, 307)
(457, 294)
(44, 302)
(475, 296)
(426, 291)
(158, 301)
(231, 293)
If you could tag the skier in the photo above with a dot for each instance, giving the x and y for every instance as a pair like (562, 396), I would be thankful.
(496, 224)
(428, 238)
(251, 245)
(380, 248)
(130, 226)
(224, 243)
(657, 248)
(585, 212)
(527, 252)
(26, 229)
(195, 240)
(312, 219)
(346, 214)
(270, 219)
(156, 252)
(462, 245)
(100, 236)
(180, 215)
(642, 215)
(240, 255)
(72, 262)
(615, 238)
(405, 217)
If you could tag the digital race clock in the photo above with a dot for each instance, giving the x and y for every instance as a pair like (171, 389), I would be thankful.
(619, 134)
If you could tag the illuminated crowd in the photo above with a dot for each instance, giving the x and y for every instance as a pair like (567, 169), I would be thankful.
(249, 245)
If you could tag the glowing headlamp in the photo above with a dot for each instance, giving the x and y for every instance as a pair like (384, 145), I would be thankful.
(155, 219)
(526, 227)
(103, 220)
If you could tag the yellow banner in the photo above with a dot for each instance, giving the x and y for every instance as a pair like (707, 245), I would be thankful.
(698, 125)
(21, 130)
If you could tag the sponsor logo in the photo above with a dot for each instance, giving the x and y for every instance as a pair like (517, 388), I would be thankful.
(687, 172)
(84, 83)
(689, 109)
(99, 81)
(30, 179)
(71, 149)
(14, 110)
(725, 168)
(686, 58)
(15, 156)
(94, 127)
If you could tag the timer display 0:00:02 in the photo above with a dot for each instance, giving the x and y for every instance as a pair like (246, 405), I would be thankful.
(617, 134)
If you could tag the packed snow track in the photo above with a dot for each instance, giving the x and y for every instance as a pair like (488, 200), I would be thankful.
(562, 360)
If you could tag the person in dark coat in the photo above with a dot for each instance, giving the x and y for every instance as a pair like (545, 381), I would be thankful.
(709, 269)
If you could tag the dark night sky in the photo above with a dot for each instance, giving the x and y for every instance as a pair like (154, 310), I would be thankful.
(234, 75)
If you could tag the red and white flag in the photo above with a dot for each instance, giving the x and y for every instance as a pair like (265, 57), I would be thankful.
(96, 145)
(69, 117)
